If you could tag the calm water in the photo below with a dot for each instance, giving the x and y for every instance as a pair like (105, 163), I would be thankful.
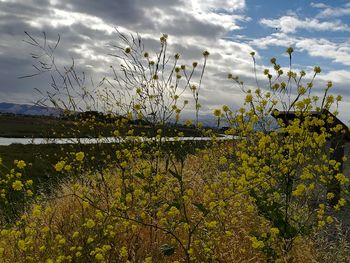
(8, 141)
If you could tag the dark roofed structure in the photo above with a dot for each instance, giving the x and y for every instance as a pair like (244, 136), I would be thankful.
(287, 116)
(339, 141)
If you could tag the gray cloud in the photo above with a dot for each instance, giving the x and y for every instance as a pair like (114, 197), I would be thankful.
(86, 29)
(87, 33)
(190, 26)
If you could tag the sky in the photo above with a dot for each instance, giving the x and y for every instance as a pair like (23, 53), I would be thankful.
(319, 32)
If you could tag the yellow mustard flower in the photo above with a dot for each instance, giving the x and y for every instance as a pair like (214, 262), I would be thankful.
(99, 257)
(123, 252)
(17, 185)
(90, 223)
(59, 166)
(79, 156)
(258, 244)
(21, 164)
(21, 244)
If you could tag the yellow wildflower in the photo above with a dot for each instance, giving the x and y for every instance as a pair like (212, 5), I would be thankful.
(299, 190)
(21, 244)
(188, 122)
(173, 211)
(330, 195)
(123, 252)
(59, 166)
(37, 211)
(21, 164)
(99, 256)
(274, 230)
(29, 182)
(17, 185)
(329, 220)
(79, 156)
(249, 98)
(256, 243)
(217, 112)
(90, 223)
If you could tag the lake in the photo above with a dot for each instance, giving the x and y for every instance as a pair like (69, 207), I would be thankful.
(8, 141)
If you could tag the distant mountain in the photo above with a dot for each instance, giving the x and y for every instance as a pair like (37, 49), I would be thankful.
(27, 109)
(209, 120)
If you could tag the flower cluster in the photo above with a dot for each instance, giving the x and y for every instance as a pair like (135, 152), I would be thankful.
(252, 197)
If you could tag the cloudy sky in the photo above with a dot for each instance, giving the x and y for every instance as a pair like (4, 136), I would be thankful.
(319, 32)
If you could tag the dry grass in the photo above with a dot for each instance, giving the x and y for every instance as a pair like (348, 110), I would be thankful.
(229, 241)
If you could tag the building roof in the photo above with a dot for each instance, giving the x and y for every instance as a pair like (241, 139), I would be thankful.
(288, 116)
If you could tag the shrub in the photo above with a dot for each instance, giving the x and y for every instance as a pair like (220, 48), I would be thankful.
(258, 196)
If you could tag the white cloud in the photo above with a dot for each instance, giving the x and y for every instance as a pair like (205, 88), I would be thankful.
(337, 52)
(275, 39)
(211, 12)
(323, 48)
(341, 80)
(290, 24)
(212, 5)
(329, 11)
(319, 5)
(338, 77)
(224, 20)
